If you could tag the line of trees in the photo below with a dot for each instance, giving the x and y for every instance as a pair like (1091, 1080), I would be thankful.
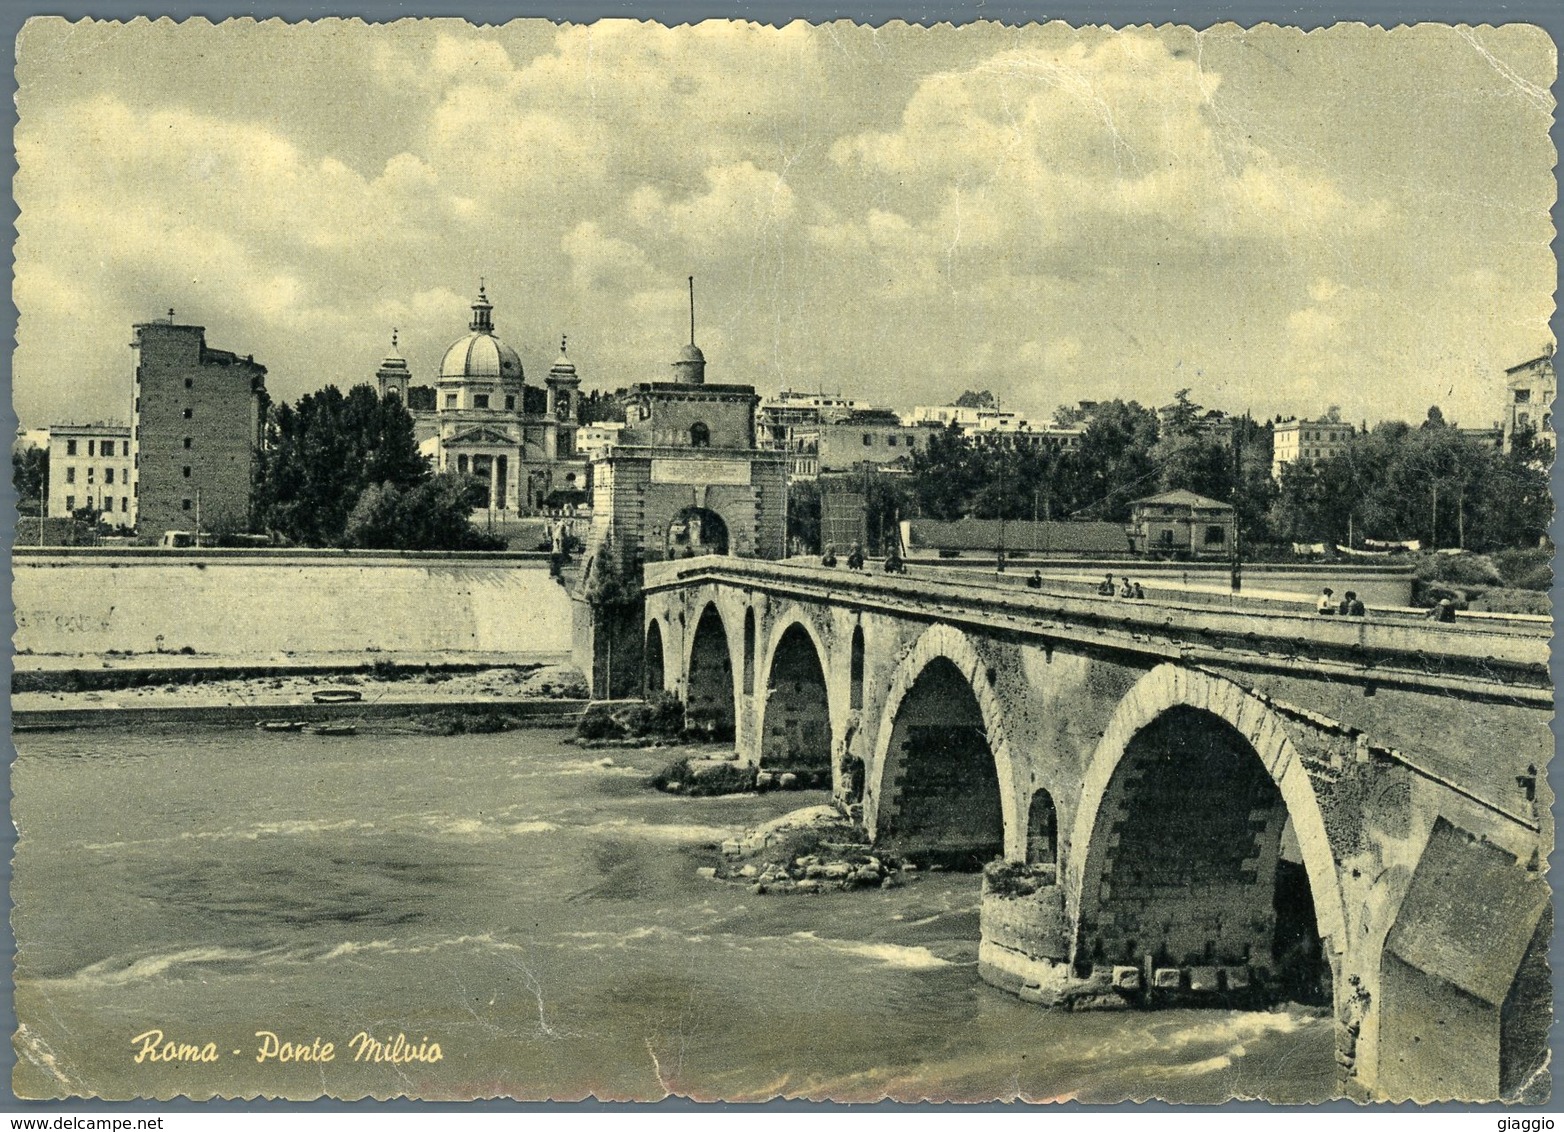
(1433, 483)
(344, 470)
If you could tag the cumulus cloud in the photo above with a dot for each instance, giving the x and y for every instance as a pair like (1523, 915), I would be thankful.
(902, 212)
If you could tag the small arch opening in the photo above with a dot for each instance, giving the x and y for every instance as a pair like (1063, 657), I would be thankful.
(749, 651)
(700, 435)
(654, 673)
(1042, 830)
(855, 689)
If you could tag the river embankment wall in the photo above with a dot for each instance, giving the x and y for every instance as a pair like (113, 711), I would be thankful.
(258, 603)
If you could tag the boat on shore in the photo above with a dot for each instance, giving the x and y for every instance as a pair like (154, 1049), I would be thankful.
(280, 725)
(334, 729)
(337, 696)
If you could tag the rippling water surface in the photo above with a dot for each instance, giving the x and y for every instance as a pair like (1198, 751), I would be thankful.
(535, 914)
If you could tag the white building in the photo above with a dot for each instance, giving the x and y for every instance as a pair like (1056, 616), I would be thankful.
(89, 466)
(1308, 441)
(594, 438)
(778, 418)
(997, 427)
(1530, 388)
(964, 417)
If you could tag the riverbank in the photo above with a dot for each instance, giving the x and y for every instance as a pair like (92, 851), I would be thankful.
(534, 693)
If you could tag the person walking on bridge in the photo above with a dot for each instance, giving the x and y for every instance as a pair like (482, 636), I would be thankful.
(1105, 587)
(1326, 606)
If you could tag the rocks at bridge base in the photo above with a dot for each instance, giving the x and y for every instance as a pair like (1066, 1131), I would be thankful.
(810, 850)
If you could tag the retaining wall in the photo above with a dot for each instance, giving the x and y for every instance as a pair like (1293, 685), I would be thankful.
(248, 605)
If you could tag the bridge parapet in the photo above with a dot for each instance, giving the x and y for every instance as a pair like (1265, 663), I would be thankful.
(1505, 662)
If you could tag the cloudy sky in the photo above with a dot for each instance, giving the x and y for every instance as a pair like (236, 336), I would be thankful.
(1278, 221)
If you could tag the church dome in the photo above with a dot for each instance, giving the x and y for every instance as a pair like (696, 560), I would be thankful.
(690, 352)
(480, 354)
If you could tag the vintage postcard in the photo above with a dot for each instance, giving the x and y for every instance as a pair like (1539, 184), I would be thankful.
(731, 561)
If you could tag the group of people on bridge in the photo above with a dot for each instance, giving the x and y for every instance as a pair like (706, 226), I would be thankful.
(855, 559)
(1130, 591)
(1350, 604)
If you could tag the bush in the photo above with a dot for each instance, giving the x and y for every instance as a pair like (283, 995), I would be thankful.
(660, 717)
(1431, 593)
(1013, 879)
(724, 778)
(1526, 569)
(598, 722)
(1458, 569)
(1503, 600)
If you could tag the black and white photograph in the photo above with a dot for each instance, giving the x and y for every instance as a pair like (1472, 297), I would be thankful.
(741, 561)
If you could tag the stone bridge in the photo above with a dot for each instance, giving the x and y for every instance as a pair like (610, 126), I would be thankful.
(1228, 806)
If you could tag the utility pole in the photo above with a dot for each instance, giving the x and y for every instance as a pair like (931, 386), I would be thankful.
(198, 516)
(1237, 579)
(999, 560)
(1433, 538)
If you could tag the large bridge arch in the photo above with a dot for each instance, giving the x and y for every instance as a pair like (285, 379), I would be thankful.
(710, 686)
(1234, 722)
(942, 652)
(796, 710)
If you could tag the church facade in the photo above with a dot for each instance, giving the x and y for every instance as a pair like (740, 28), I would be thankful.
(481, 419)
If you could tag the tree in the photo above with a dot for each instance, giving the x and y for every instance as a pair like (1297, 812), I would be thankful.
(345, 470)
(601, 405)
(1431, 483)
(1180, 417)
(972, 399)
(432, 515)
(1113, 465)
(30, 478)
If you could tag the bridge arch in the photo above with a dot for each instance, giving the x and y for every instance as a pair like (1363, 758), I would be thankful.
(709, 697)
(1174, 726)
(943, 672)
(795, 714)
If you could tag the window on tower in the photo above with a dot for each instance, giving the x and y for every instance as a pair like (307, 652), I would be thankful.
(480, 401)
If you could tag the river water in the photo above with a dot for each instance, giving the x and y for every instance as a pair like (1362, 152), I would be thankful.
(535, 914)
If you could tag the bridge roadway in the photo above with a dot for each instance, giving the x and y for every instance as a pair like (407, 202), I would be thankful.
(1198, 792)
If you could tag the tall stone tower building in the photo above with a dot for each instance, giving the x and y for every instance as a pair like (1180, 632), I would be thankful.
(685, 477)
(196, 430)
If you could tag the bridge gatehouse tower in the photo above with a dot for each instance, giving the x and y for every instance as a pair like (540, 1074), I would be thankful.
(685, 479)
